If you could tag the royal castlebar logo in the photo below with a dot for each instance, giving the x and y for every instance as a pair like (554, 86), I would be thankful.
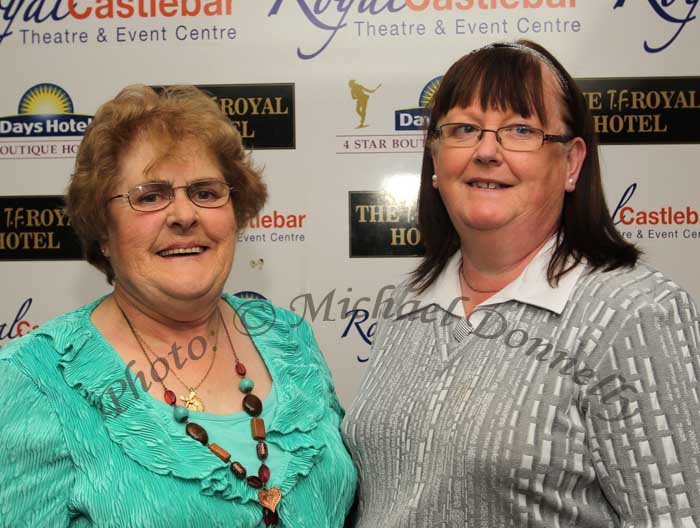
(674, 14)
(46, 125)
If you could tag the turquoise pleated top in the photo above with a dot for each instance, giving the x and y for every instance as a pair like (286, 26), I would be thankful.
(71, 454)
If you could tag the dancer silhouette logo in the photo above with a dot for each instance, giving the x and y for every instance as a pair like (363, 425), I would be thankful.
(361, 96)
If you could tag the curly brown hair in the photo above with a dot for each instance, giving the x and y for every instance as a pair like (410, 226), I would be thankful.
(166, 117)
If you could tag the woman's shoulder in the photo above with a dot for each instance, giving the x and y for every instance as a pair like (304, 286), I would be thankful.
(628, 287)
(38, 352)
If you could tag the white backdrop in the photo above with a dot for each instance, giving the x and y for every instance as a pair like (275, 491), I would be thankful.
(320, 46)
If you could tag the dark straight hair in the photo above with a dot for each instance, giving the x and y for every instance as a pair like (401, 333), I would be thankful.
(509, 77)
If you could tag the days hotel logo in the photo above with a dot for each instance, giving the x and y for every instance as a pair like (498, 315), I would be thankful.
(417, 118)
(44, 111)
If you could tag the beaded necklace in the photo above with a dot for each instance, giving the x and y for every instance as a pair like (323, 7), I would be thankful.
(267, 498)
(193, 401)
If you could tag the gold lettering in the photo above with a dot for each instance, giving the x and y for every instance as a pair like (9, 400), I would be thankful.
(278, 104)
(226, 104)
(255, 103)
(32, 218)
(392, 213)
(398, 236)
(637, 100)
(242, 127)
(362, 209)
(600, 122)
(657, 124)
(617, 124)
(593, 100)
(51, 244)
(39, 240)
(268, 108)
(60, 216)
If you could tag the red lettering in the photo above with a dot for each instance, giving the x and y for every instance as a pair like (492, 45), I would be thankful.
(124, 9)
(76, 14)
(623, 215)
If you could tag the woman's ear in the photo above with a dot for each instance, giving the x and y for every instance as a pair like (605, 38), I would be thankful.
(575, 155)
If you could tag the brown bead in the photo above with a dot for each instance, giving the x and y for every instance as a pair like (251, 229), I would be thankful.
(270, 518)
(257, 427)
(262, 450)
(252, 405)
(197, 432)
(220, 452)
(255, 482)
(170, 397)
(238, 470)
(240, 369)
(264, 473)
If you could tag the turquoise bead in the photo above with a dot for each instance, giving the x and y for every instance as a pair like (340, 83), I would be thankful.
(246, 385)
(181, 414)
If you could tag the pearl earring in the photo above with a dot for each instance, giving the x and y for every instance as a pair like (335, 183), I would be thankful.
(571, 181)
(434, 178)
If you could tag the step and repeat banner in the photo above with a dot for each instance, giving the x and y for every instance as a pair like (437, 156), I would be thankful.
(329, 96)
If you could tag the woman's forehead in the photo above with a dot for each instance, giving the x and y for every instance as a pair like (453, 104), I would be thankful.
(539, 97)
(146, 159)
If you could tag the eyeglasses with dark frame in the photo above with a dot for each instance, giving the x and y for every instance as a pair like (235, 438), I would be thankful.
(155, 196)
(518, 138)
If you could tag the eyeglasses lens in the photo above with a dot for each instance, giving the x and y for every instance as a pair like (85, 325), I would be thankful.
(516, 138)
(156, 196)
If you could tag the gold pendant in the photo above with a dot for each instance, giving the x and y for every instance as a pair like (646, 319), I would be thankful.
(270, 498)
(192, 401)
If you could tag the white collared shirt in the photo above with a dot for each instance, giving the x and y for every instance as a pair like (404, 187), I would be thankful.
(530, 287)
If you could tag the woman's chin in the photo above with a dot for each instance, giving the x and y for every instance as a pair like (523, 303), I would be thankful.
(190, 291)
(490, 222)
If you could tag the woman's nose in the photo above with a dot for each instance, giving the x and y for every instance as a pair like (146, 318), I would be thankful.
(488, 149)
(181, 211)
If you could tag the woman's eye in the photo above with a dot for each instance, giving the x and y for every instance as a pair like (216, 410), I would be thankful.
(522, 130)
(464, 129)
(150, 198)
(205, 195)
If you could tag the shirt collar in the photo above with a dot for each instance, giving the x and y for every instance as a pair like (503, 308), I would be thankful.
(530, 287)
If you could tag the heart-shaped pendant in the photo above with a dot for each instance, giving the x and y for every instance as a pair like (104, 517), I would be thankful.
(270, 498)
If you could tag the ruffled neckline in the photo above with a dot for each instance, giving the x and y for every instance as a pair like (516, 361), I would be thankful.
(90, 365)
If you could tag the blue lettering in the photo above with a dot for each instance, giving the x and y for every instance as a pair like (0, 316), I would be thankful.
(11, 332)
(342, 8)
(357, 318)
(626, 197)
(34, 11)
(659, 7)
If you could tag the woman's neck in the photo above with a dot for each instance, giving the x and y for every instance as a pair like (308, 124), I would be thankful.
(162, 325)
(491, 261)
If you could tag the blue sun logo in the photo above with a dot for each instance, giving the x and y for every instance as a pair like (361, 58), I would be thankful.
(426, 95)
(45, 99)
(45, 110)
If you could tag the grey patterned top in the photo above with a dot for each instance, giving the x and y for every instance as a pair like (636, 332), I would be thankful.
(582, 413)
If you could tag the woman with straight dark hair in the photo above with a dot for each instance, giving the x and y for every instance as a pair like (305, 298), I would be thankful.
(532, 371)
